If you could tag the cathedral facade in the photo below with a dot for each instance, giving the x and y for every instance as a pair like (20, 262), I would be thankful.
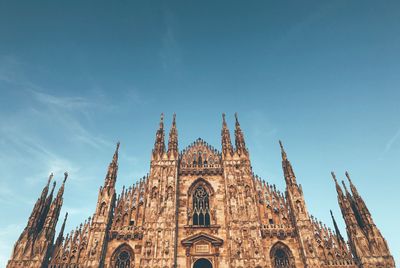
(201, 208)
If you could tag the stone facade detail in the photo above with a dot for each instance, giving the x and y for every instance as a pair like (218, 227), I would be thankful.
(200, 207)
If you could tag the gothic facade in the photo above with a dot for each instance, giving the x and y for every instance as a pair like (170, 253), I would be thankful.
(201, 207)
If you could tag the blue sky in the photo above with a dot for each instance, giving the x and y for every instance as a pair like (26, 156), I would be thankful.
(76, 77)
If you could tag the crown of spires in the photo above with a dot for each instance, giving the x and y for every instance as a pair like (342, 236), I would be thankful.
(226, 138)
(159, 144)
(337, 231)
(173, 138)
(239, 138)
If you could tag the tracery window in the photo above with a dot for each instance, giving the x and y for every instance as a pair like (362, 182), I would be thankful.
(281, 259)
(123, 257)
(201, 207)
(123, 260)
(281, 256)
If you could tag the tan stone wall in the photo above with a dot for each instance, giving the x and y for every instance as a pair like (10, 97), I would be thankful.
(219, 256)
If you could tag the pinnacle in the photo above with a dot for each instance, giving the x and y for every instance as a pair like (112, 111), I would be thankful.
(65, 176)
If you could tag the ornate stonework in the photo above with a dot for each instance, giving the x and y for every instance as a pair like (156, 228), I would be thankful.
(201, 208)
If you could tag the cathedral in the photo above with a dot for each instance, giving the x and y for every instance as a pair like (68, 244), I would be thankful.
(201, 208)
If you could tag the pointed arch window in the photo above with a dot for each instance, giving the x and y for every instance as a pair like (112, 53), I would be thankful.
(123, 257)
(281, 259)
(281, 256)
(201, 207)
(123, 260)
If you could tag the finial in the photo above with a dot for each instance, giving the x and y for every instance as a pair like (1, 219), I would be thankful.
(348, 176)
(223, 119)
(161, 119)
(65, 176)
(174, 119)
(333, 176)
(236, 119)
(284, 156)
(50, 178)
(118, 143)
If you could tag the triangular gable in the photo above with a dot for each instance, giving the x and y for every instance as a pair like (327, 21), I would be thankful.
(215, 241)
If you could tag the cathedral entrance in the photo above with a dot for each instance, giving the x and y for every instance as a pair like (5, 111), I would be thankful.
(202, 263)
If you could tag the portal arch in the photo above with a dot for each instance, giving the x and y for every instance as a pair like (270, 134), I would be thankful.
(202, 263)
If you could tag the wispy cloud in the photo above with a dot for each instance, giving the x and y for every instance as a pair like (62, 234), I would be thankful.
(61, 102)
(392, 141)
(171, 55)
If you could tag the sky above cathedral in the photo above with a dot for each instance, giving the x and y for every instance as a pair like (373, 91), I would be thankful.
(78, 76)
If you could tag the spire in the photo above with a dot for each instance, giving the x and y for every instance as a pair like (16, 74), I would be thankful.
(159, 144)
(348, 195)
(290, 177)
(36, 217)
(284, 156)
(112, 170)
(61, 233)
(45, 210)
(337, 231)
(61, 190)
(338, 188)
(226, 138)
(359, 203)
(239, 138)
(352, 186)
(173, 139)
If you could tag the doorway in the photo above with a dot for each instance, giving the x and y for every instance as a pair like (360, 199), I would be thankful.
(202, 263)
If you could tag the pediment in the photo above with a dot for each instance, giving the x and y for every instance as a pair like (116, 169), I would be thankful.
(215, 241)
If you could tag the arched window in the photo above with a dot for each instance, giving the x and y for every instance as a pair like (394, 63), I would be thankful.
(123, 260)
(201, 207)
(281, 256)
(281, 259)
(123, 257)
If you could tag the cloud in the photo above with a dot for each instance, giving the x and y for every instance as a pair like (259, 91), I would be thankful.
(61, 102)
(392, 141)
(171, 55)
